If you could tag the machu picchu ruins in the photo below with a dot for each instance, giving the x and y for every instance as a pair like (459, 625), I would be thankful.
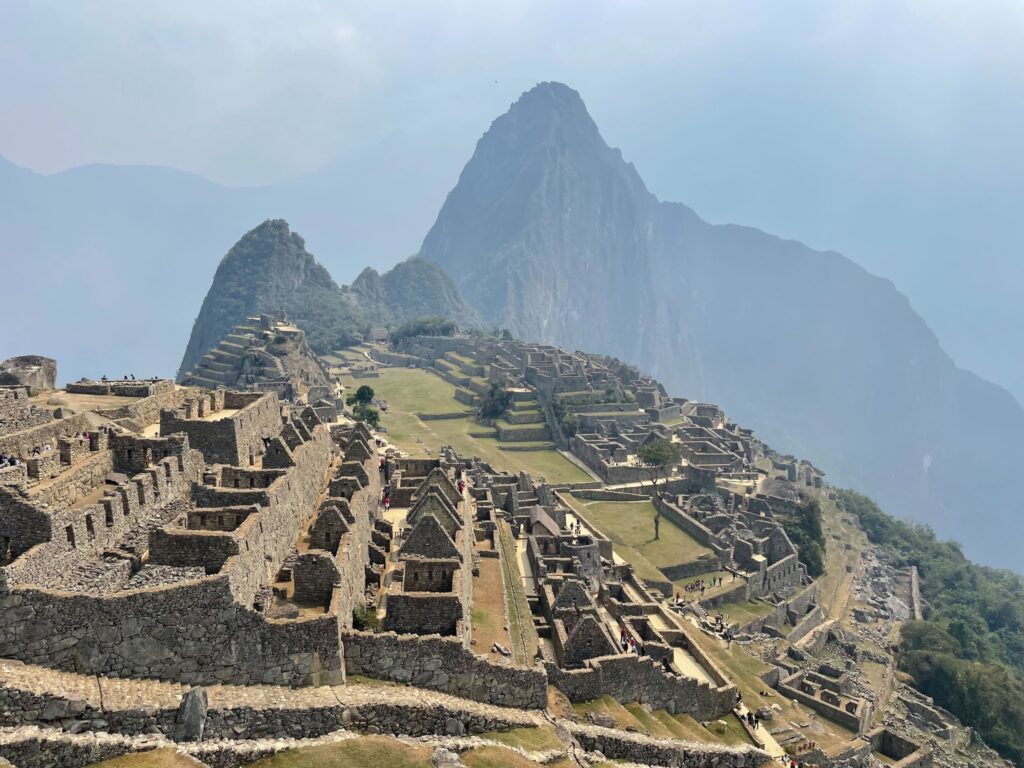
(233, 565)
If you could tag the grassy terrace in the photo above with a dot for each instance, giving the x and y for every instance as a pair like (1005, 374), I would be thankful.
(661, 724)
(743, 612)
(630, 525)
(489, 609)
(411, 390)
(521, 632)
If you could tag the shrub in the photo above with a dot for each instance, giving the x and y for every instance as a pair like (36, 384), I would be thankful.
(365, 619)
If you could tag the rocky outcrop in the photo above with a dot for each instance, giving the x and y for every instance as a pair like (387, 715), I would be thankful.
(37, 373)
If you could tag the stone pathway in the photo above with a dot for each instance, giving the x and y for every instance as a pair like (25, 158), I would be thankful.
(760, 735)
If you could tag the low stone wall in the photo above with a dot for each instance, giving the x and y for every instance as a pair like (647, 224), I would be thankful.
(32, 747)
(22, 443)
(703, 564)
(679, 518)
(809, 623)
(147, 410)
(601, 494)
(627, 677)
(616, 745)
(443, 664)
(522, 433)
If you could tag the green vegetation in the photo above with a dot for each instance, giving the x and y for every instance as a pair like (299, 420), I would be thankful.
(269, 270)
(496, 401)
(412, 290)
(969, 653)
(365, 619)
(567, 420)
(364, 751)
(409, 391)
(530, 739)
(367, 413)
(363, 395)
(630, 525)
(804, 529)
(424, 326)
(157, 758)
(659, 456)
(522, 633)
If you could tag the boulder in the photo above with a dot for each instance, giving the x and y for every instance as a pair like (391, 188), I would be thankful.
(37, 373)
(445, 758)
(190, 722)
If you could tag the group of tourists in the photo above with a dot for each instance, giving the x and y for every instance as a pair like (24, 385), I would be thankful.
(9, 461)
(700, 586)
(629, 644)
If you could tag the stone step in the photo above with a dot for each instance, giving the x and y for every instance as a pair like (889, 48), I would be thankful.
(201, 381)
(212, 364)
(226, 355)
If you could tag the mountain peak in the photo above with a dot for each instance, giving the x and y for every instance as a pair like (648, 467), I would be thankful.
(549, 114)
(552, 97)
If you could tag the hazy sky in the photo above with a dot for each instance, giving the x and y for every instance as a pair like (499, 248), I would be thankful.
(888, 130)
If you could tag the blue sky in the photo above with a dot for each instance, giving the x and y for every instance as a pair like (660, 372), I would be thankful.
(889, 131)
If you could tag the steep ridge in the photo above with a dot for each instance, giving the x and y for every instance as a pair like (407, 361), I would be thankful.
(549, 232)
(412, 289)
(269, 271)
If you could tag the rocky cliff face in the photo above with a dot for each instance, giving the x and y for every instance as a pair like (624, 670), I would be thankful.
(549, 232)
(269, 271)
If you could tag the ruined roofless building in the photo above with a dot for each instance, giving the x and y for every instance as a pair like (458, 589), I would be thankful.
(186, 556)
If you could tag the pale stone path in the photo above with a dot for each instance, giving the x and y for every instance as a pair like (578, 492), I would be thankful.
(760, 735)
(683, 659)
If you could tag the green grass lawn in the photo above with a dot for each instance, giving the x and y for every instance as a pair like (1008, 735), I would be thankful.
(630, 525)
(742, 612)
(411, 390)
(156, 758)
(362, 752)
(530, 739)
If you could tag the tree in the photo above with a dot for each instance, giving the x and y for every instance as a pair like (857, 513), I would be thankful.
(570, 424)
(496, 401)
(659, 455)
(363, 395)
(367, 413)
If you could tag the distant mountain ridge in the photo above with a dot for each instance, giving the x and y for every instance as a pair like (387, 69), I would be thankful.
(412, 289)
(549, 232)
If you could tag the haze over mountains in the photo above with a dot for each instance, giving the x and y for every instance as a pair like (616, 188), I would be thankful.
(550, 233)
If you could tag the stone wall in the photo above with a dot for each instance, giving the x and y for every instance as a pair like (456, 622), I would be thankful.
(443, 664)
(200, 631)
(17, 413)
(192, 632)
(146, 410)
(633, 748)
(423, 613)
(234, 439)
(21, 443)
(628, 678)
(62, 539)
